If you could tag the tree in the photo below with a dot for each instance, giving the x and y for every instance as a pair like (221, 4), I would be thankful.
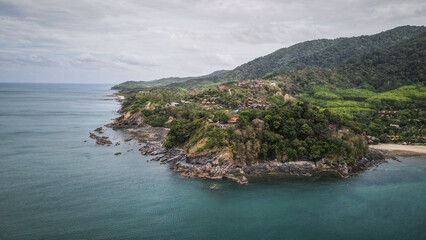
(222, 116)
(305, 130)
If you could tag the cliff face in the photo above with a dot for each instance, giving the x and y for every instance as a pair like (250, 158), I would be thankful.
(133, 122)
(127, 120)
(211, 166)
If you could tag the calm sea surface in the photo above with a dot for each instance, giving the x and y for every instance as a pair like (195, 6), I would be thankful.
(54, 185)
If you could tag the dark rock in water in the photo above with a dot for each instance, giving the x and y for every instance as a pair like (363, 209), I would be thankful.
(100, 140)
(99, 130)
(117, 153)
(129, 150)
(128, 139)
(117, 143)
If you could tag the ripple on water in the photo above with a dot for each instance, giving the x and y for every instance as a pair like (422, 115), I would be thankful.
(54, 185)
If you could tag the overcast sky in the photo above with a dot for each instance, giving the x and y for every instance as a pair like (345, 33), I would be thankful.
(114, 41)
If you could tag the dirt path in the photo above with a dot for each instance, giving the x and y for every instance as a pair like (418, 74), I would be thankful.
(402, 150)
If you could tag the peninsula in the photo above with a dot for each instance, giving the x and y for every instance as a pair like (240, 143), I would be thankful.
(307, 110)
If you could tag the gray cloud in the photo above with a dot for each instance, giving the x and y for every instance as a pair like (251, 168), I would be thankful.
(30, 60)
(142, 40)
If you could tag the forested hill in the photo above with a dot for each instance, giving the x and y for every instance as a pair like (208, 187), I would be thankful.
(316, 53)
(321, 53)
(383, 70)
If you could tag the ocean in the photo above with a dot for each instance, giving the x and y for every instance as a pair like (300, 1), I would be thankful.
(56, 183)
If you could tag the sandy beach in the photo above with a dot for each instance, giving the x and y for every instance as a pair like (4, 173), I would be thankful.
(402, 150)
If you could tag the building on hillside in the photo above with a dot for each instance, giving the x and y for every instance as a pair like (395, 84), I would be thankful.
(208, 102)
(222, 87)
(233, 120)
(242, 83)
(257, 84)
(250, 83)
(172, 104)
(256, 104)
(220, 125)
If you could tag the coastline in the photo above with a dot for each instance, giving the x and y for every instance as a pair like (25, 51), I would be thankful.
(209, 166)
(212, 166)
(402, 150)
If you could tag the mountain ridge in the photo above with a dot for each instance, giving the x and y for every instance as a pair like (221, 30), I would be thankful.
(162, 81)
(386, 69)
(313, 53)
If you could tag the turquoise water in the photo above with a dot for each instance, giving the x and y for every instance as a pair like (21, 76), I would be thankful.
(53, 185)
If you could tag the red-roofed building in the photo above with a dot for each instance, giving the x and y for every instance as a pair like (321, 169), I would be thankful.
(222, 87)
(233, 120)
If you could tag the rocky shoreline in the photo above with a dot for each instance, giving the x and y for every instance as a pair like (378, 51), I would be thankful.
(209, 167)
(212, 166)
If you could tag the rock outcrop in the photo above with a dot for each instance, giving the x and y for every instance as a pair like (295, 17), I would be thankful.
(99, 130)
(153, 148)
(127, 120)
(373, 158)
(209, 166)
(100, 140)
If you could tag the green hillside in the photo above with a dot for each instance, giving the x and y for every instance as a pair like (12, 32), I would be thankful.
(382, 70)
(321, 53)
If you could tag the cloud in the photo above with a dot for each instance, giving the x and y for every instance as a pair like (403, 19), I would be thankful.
(134, 60)
(31, 60)
(144, 40)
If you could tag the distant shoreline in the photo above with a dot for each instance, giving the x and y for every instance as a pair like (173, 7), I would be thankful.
(402, 150)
